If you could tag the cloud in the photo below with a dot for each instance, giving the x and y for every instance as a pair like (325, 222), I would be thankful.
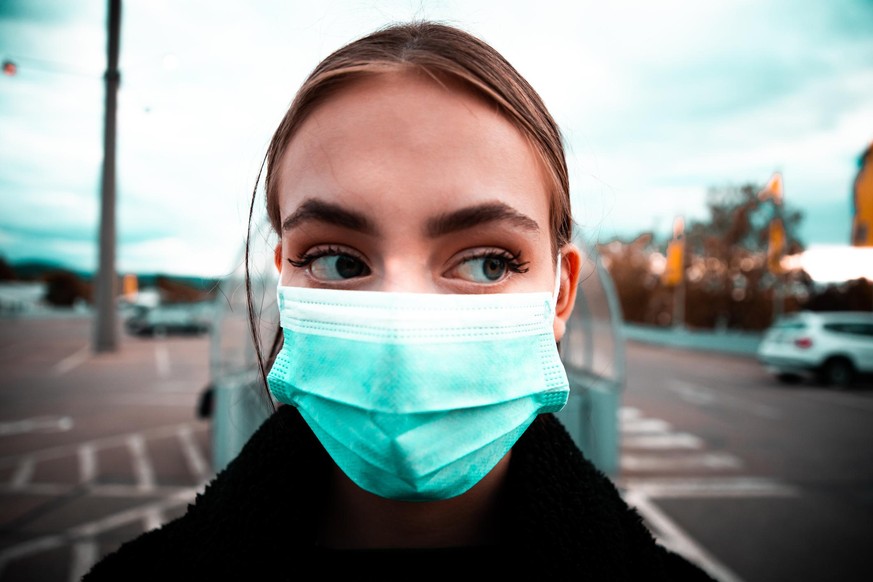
(657, 101)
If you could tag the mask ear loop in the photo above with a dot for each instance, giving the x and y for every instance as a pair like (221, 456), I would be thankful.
(557, 291)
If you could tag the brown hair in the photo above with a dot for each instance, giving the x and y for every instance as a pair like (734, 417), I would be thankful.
(440, 51)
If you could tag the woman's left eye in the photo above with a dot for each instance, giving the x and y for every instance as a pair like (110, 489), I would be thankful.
(489, 268)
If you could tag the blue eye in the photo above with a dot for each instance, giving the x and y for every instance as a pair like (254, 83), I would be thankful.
(486, 269)
(489, 267)
(332, 265)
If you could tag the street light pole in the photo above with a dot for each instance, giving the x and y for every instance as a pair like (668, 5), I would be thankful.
(105, 334)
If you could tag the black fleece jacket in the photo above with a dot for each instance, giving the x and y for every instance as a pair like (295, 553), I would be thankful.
(257, 519)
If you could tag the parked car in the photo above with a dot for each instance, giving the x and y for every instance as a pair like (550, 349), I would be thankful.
(173, 319)
(833, 347)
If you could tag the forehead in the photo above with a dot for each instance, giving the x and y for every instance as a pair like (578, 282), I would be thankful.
(408, 136)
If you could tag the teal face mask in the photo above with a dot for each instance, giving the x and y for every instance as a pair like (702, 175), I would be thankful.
(417, 396)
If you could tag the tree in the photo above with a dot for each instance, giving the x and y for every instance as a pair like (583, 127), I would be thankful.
(730, 282)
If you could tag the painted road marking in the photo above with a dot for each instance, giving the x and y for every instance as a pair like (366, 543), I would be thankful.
(626, 413)
(679, 440)
(84, 558)
(682, 462)
(113, 441)
(645, 426)
(675, 487)
(705, 397)
(88, 531)
(87, 463)
(152, 518)
(198, 465)
(72, 361)
(23, 473)
(142, 467)
(36, 424)
(675, 538)
(162, 359)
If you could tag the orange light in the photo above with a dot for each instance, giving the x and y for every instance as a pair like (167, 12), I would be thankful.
(9, 68)
(773, 190)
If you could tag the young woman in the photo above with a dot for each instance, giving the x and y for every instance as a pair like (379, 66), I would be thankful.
(419, 192)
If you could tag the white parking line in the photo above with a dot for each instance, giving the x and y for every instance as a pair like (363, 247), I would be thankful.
(142, 468)
(152, 518)
(23, 473)
(29, 547)
(674, 538)
(112, 441)
(162, 359)
(198, 465)
(36, 424)
(84, 558)
(72, 361)
(86, 531)
(87, 463)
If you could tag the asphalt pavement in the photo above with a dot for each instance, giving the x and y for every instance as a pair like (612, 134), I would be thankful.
(94, 448)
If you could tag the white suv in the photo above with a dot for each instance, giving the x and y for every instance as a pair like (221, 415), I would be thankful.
(835, 347)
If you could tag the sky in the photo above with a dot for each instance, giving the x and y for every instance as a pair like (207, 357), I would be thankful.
(658, 102)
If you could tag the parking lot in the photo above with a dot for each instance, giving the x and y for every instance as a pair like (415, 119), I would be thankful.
(94, 448)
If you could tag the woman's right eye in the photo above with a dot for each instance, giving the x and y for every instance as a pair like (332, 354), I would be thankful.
(332, 265)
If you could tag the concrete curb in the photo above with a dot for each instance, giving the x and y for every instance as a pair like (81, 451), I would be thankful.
(728, 342)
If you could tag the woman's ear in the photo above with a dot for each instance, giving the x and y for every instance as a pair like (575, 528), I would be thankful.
(277, 256)
(571, 267)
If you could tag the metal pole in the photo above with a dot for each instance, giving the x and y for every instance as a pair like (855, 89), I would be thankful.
(679, 304)
(105, 334)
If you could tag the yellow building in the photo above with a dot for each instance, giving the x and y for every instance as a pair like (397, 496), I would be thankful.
(862, 221)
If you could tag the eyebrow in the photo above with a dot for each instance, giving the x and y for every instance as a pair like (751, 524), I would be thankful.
(476, 215)
(329, 213)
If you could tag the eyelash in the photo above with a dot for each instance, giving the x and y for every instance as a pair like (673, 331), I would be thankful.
(305, 259)
(513, 260)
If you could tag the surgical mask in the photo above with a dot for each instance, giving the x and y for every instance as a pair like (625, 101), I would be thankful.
(418, 396)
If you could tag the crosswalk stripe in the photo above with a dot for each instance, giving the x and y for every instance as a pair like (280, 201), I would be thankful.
(646, 425)
(681, 462)
(679, 440)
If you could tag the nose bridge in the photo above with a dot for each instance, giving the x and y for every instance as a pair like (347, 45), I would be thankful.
(407, 273)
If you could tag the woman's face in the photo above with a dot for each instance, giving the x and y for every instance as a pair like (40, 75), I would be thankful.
(398, 183)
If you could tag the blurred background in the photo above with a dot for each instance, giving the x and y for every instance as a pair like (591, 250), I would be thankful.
(722, 185)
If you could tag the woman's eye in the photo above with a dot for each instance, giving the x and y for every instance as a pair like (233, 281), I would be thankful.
(338, 267)
(330, 264)
(487, 269)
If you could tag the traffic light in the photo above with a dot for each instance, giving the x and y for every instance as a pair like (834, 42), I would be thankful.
(9, 68)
